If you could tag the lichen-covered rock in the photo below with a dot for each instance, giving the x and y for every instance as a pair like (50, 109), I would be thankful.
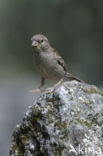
(66, 121)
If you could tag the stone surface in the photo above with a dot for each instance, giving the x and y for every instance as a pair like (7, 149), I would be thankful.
(66, 121)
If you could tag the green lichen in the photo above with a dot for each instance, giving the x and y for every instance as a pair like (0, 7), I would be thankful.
(70, 122)
(102, 112)
(69, 91)
(91, 90)
(24, 139)
(50, 120)
(58, 124)
(100, 92)
(51, 116)
(85, 122)
(35, 110)
(15, 148)
(57, 149)
(89, 104)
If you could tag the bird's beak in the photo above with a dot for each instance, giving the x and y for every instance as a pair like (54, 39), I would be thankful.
(35, 44)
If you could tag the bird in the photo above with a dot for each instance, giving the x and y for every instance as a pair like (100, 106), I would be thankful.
(48, 62)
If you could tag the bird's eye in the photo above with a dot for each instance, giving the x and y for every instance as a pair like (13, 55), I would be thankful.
(42, 40)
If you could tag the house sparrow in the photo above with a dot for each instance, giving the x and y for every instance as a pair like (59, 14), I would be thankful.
(48, 62)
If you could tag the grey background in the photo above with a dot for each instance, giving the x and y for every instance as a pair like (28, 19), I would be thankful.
(74, 28)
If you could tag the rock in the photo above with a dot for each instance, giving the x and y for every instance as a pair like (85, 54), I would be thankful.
(66, 121)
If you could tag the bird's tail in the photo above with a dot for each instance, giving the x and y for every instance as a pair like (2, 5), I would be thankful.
(73, 77)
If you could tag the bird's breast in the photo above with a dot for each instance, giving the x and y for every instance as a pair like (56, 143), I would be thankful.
(47, 66)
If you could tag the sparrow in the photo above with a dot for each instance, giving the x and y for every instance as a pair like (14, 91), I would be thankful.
(48, 62)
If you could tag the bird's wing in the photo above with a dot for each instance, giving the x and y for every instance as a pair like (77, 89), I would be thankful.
(60, 60)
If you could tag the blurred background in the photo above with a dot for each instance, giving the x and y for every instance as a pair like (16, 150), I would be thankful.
(74, 28)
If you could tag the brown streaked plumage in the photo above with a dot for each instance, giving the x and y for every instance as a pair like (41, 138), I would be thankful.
(48, 62)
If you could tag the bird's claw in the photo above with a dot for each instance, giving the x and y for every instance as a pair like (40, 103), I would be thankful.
(35, 91)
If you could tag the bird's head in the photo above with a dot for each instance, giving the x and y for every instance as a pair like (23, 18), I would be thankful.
(40, 43)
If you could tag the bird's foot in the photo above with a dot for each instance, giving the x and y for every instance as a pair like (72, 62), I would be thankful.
(58, 83)
(55, 85)
(35, 91)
